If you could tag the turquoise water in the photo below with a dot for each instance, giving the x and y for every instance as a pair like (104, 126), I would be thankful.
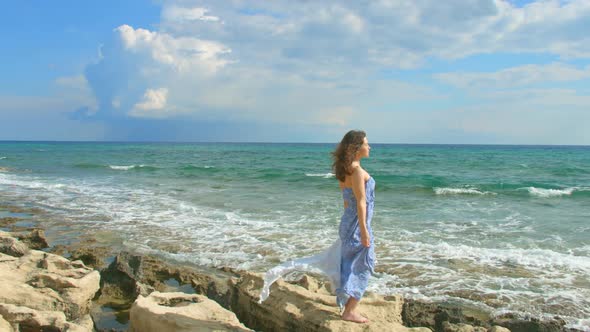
(502, 227)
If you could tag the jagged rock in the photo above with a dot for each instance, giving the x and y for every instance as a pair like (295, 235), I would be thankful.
(450, 327)
(119, 285)
(34, 239)
(12, 246)
(88, 250)
(26, 319)
(434, 315)
(131, 275)
(40, 284)
(516, 324)
(290, 307)
(294, 308)
(180, 312)
(91, 256)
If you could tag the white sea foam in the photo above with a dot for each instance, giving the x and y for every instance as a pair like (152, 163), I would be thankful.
(540, 260)
(460, 191)
(27, 183)
(323, 175)
(581, 325)
(142, 215)
(125, 168)
(545, 193)
(2, 158)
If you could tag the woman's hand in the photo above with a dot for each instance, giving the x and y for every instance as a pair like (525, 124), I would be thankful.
(365, 239)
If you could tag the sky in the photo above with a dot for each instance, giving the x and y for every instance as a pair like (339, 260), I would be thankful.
(422, 71)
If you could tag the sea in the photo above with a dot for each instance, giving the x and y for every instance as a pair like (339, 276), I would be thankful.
(504, 228)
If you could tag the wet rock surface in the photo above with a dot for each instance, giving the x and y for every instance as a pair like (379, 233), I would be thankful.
(34, 239)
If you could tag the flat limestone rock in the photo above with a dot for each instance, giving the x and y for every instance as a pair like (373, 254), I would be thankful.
(180, 312)
(44, 287)
(294, 308)
(27, 319)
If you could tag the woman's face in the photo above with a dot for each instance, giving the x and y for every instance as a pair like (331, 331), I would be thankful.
(364, 150)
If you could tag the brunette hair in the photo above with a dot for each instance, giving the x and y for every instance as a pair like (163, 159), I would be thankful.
(345, 152)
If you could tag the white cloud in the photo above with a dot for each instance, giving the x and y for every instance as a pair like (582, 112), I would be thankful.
(187, 14)
(323, 62)
(391, 33)
(152, 105)
(182, 53)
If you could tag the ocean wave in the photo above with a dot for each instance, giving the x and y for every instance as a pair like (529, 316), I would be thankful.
(2, 158)
(545, 193)
(541, 261)
(193, 167)
(4, 169)
(116, 167)
(126, 168)
(29, 182)
(323, 175)
(460, 191)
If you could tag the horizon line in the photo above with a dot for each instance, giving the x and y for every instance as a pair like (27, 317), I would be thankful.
(284, 142)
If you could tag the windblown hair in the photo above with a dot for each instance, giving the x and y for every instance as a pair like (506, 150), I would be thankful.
(345, 152)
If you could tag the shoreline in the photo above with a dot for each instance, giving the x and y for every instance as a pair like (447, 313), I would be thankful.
(126, 275)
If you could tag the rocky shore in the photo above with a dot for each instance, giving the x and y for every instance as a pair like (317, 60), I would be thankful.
(87, 286)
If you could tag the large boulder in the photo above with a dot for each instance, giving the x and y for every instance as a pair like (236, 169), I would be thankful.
(35, 285)
(180, 312)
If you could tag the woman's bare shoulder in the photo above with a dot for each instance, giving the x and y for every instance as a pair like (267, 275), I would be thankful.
(358, 171)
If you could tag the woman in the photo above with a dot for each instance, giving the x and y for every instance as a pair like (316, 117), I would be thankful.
(357, 252)
(351, 259)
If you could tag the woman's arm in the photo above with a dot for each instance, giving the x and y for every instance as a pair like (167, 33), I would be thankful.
(358, 187)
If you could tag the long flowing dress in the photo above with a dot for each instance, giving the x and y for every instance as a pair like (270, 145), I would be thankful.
(347, 263)
(357, 262)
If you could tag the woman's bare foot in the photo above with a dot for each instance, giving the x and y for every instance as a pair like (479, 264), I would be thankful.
(354, 317)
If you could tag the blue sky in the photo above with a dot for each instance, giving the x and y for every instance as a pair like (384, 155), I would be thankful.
(477, 71)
